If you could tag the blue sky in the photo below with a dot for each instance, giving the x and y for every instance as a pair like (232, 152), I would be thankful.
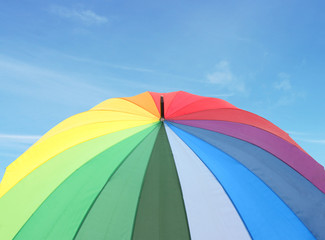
(59, 58)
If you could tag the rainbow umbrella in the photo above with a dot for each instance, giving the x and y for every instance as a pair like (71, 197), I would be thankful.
(163, 166)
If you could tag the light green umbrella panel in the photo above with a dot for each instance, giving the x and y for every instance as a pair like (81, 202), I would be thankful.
(163, 166)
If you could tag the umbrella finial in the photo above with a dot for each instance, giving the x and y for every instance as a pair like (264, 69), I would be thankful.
(162, 110)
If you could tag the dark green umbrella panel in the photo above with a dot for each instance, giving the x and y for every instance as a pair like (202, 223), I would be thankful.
(164, 166)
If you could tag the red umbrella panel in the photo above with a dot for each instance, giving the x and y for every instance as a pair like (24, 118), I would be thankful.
(164, 166)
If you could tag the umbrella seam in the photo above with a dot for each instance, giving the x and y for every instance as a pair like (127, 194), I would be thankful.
(262, 129)
(89, 209)
(142, 182)
(218, 181)
(129, 102)
(154, 102)
(65, 150)
(198, 100)
(102, 109)
(252, 171)
(272, 124)
(87, 124)
(179, 184)
(66, 179)
(254, 175)
(171, 102)
(290, 165)
(140, 106)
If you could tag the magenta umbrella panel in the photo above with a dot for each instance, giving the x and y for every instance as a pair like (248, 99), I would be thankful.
(164, 166)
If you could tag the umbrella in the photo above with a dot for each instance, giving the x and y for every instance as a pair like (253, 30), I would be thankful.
(164, 166)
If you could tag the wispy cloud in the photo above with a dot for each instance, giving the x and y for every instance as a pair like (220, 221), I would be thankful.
(222, 95)
(286, 100)
(306, 137)
(12, 146)
(225, 79)
(284, 82)
(318, 141)
(107, 64)
(144, 85)
(16, 143)
(72, 89)
(19, 138)
(288, 94)
(59, 56)
(45, 84)
(87, 17)
(296, 133)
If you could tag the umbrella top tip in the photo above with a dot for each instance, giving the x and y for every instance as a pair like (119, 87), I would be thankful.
(162, 109)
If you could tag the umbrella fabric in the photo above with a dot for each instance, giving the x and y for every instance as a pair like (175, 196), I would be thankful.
(208, 170)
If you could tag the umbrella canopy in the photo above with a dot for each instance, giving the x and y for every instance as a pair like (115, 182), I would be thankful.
(164, 166)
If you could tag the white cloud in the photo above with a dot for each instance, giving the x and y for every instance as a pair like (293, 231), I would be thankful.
(225, 79)
(284, 83)
(87, 17)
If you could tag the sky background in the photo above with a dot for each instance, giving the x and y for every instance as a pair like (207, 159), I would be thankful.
(59, 58)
